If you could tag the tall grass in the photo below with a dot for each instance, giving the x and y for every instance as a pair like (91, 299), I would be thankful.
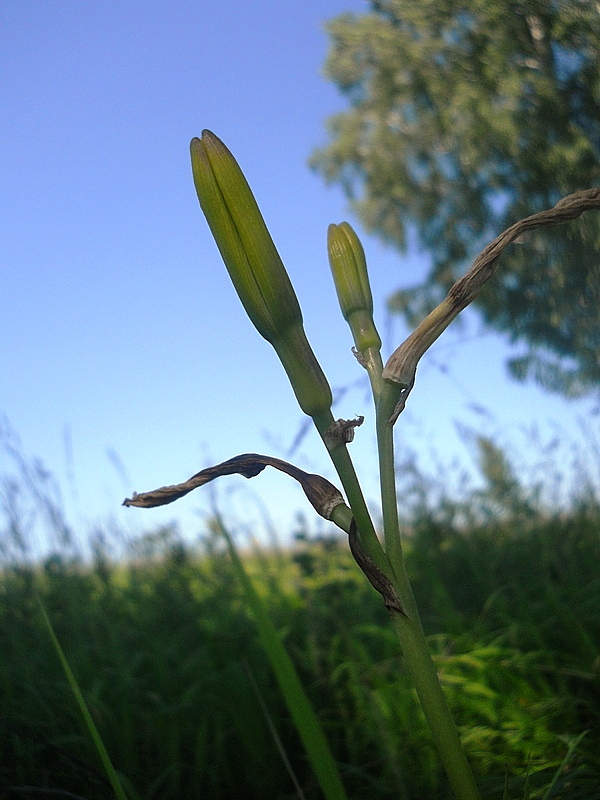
(166, 652)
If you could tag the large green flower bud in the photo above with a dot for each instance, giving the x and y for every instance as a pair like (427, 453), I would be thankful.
(248, 251)
(255, 267)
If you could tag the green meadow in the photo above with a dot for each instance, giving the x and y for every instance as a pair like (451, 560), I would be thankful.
(164, 647)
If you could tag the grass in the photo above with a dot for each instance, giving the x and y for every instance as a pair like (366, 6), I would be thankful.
(166, 652)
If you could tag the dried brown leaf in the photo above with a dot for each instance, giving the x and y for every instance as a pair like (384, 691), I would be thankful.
(322, 494)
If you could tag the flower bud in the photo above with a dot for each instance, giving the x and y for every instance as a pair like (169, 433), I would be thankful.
(349, 269)
(255, 267)
(244, 242)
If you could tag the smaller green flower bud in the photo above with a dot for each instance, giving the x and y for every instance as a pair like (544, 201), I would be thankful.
(349, 270)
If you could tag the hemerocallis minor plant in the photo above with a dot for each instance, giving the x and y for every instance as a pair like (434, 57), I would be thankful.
(266, 292)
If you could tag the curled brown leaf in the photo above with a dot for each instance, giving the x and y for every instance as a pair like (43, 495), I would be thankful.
(322, 494)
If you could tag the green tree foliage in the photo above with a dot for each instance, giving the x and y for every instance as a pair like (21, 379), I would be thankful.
(464, 117)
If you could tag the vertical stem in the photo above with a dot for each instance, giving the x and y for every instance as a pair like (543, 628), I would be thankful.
(345, 469)
(409, 629)
(426, 680)
(387, 479)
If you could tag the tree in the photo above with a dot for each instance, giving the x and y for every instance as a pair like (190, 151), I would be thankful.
(464, 117)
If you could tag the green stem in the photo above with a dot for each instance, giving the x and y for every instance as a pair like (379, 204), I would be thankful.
(409, 629)
(445, 735)
(387, 478)
(111, 773)
(391, 562)
(345, 469)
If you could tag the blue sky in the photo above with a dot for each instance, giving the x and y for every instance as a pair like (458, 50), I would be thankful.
(126, 360)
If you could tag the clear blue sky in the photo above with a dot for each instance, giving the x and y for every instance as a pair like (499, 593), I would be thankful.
(122, 339)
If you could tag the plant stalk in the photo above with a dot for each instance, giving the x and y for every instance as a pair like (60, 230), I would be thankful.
(433, 702)
(347, 474)
(408, 626)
